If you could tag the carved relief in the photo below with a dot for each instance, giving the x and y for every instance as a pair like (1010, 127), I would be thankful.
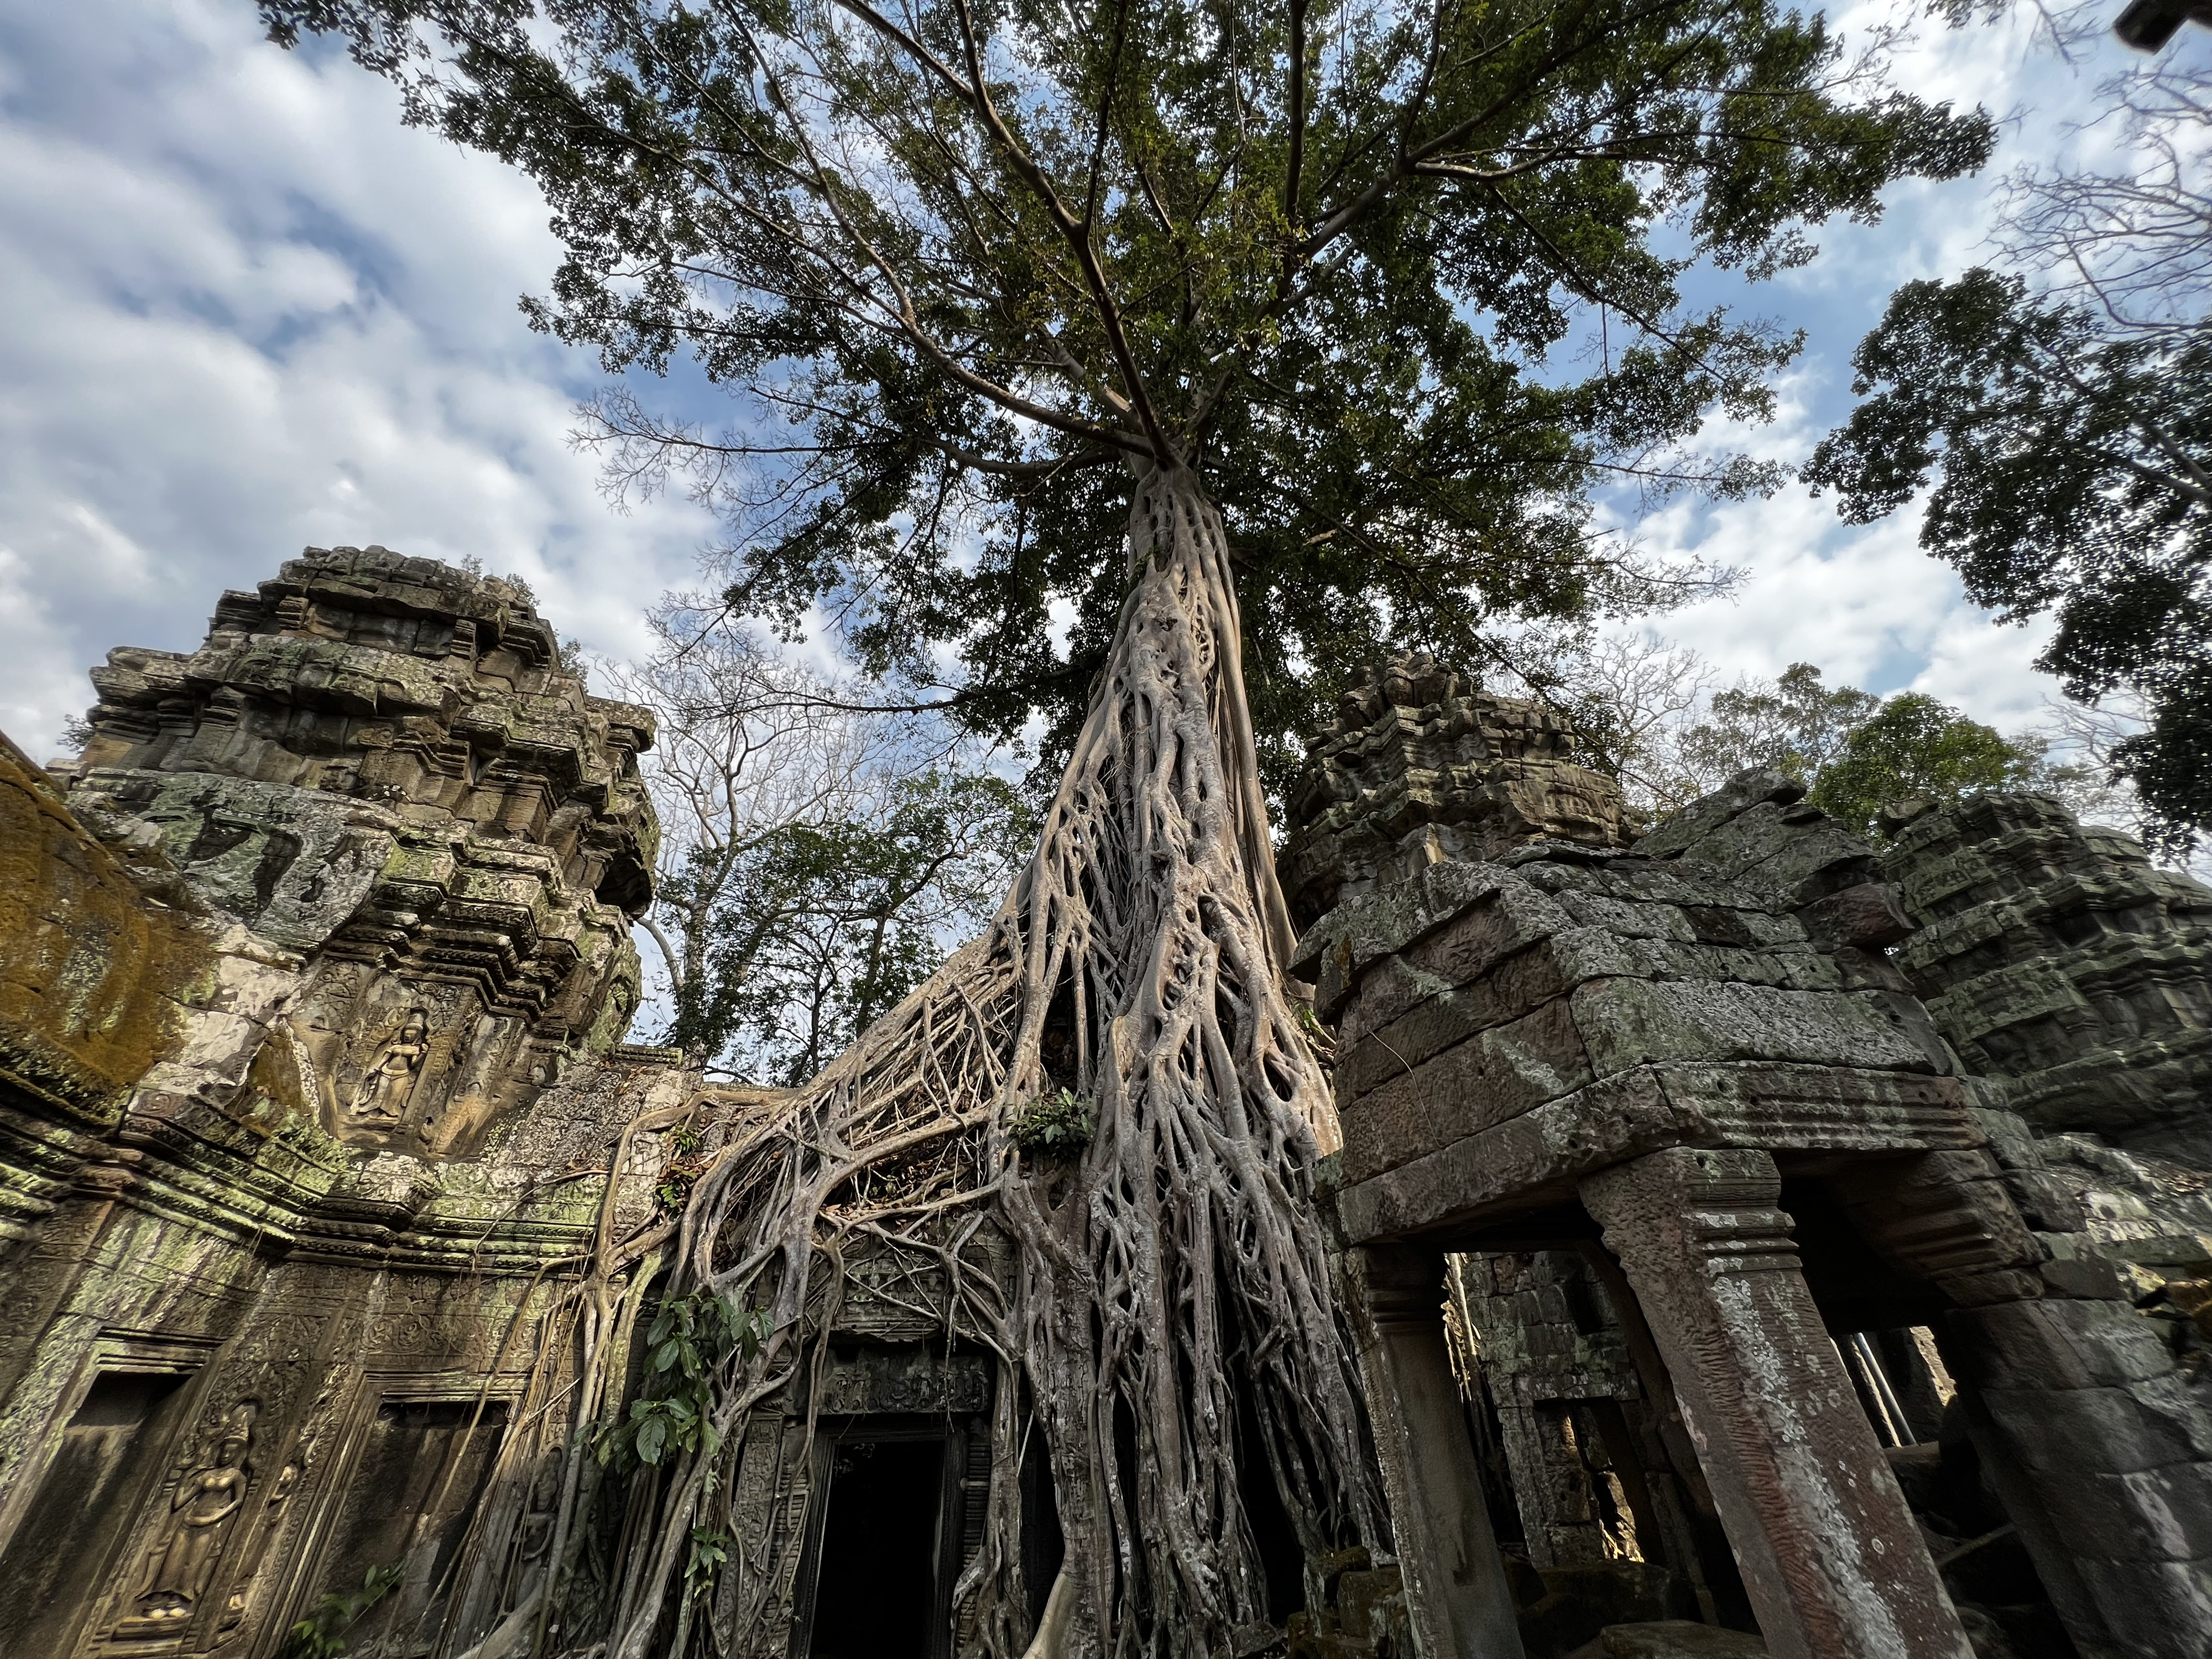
(200, 1515)
(380, 1098)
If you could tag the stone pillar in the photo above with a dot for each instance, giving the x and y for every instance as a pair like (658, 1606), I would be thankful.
(1835, 1567)
(1455, 1588)
(2097, 1441)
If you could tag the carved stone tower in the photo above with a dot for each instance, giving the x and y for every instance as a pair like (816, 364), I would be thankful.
(314, 970)
(384, 762)
(1419, 767)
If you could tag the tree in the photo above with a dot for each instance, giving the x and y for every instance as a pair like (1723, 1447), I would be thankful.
(1913, 746)
(816, 861)
(1021, 292)
(746, 745)
(1398, 285)
(2066, 421)
(2069, 481)
(822, 927)
(1796, 723)
(1650, 723)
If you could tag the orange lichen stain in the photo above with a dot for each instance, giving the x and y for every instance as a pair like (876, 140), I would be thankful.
(90, 968)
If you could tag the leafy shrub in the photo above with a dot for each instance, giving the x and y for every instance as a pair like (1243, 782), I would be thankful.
(1059, 1126)
(322, 1634)
(689, 1340)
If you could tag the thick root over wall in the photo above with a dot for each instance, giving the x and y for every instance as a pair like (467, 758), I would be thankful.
(1168, 1334)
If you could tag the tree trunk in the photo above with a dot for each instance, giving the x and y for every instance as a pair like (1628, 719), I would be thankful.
(1171, 1284)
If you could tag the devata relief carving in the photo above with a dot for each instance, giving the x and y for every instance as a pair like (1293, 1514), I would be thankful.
(201, 1512)
(381, 1099)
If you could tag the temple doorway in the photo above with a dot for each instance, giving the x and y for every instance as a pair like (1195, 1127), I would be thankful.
(888, 1550)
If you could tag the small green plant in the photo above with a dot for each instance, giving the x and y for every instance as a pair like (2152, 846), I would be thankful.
(1322, 1039)
(322, 1634)
(689, 1340)
(672, 1191)
(709, 1549)
(1059, 1126)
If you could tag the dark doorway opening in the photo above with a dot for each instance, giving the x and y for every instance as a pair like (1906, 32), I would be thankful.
(57, 1563)
(877, 1590)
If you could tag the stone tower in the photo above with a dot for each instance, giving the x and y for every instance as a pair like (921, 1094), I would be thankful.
(383, 762)
(314, 971)
(1420, 766)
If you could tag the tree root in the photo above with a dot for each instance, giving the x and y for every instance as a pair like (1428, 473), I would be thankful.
(1170, 1297)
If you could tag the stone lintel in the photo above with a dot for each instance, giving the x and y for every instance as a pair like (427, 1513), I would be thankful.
(1483, 1179)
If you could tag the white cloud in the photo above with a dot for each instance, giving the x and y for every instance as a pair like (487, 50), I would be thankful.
(242, 310)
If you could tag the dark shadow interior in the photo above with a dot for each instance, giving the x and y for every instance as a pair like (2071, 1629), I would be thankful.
(418, 1454)
(876, 1593)
(58, 1561)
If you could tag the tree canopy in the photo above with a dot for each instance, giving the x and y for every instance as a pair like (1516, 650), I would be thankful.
(815, 930)
(1402, 284)
(1913, 747)
(1652, 720)
(2060, 403)
(2069, 479)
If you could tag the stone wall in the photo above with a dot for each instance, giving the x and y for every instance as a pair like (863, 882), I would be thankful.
(2058, 960)
(314, 978)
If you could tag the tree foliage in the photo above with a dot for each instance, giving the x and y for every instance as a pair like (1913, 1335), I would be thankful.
(2070, 478)
(2062, 403)
(818, 928)
(816, 862)
(1400, 281)
(1857, 752)
(1914, 747)
(1796, 723)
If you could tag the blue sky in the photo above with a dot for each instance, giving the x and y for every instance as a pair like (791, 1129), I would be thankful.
(242, 310)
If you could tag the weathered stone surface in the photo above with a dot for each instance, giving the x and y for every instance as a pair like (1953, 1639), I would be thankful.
(312, 1100)
(2057, 958)
(1830, 1553)
(1420, 767)
(1730, 995)
(1675, 1638)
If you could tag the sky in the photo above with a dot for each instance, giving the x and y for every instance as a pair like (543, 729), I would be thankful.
(243, 311)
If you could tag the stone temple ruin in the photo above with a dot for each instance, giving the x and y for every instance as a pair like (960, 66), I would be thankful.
(1756, 1242)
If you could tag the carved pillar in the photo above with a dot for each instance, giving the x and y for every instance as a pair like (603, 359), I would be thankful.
(1834, 1565)
(1456, 1585)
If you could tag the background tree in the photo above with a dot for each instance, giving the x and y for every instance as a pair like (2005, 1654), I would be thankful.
(747, 744)
(2062, 404)
(822, 928)
(1796, 723)
(1914, 747)
(1020, 292)
(817, 859)
(1652, 720)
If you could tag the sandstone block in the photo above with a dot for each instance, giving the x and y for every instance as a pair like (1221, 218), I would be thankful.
(1631, 1022)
